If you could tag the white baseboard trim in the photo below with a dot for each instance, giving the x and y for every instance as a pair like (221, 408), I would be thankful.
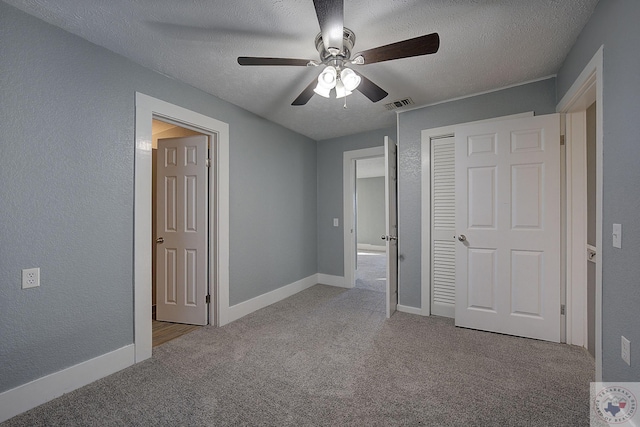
(410, 310)
(368, 247)
(237, 311)
(327, 279)
(27, 396)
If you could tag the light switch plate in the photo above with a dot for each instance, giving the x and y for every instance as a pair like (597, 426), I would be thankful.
(617, 236)
(335, 222)
(626, 350)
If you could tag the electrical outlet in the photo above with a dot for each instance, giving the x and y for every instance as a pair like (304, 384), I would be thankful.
(626, 350)
(30, 278)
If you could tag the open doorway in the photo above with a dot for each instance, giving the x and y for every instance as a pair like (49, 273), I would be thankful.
(371, 259)
(163, 330)
(390, 237)
(583, 108)
(148, 108)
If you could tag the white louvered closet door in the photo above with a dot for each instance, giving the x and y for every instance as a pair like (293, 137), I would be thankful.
(443, 260)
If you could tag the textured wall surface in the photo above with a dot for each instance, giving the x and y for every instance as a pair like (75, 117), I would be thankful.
(538, 97)
(66, 199)
(371, 211)
(330, 160)
(614, 24)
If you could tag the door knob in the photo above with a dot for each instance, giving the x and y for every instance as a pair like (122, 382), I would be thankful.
(160, 240)
(462, 238)
(385, 237)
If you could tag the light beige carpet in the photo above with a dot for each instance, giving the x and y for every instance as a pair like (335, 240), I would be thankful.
(328, 356)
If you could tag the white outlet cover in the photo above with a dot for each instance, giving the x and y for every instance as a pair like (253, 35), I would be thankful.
(30, 278)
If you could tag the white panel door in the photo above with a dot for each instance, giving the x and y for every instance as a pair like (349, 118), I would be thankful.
(181, 212)
(443, 242)
(391, 228)
(508, 222)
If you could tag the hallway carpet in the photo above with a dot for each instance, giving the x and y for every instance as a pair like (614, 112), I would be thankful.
(371, 273)
(328, 356)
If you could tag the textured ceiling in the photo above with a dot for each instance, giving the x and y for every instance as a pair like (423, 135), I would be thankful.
(485, 45)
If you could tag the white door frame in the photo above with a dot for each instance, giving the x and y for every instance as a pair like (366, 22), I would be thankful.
(348, 200)
(148, 108)
(586, 89)
(426, 136)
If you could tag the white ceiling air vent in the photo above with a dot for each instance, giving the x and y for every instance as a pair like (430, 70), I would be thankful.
(399, 104)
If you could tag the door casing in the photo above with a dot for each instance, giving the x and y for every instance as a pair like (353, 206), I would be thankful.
(148, 108)
(587, 88)
(349, 215)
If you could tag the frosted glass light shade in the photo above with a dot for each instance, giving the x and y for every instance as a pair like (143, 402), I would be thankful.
(322, 90)
(326, 81)
(350, 79)
(341, 90)
(328, 77)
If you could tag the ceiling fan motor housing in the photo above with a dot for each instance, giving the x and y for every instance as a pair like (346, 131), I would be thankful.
(328, 58)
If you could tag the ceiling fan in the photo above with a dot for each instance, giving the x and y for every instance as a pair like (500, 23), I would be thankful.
(334, 44)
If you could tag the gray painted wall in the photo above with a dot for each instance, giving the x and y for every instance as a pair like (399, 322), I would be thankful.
(614, 24)
(371, 212)
(538, 97)
(330, 155)
(66, 199)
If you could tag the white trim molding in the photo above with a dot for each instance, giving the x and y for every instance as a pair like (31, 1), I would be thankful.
(369, 247)
(327, 279)
(261, 301)
(148, 108)
(27, 396)
(410, 310)
(348, 205)
(587, 87)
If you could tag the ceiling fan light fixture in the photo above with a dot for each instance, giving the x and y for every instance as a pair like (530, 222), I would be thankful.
(341, 90)
(322, 90)
(328, 77)
(350, 79)
(326, 81)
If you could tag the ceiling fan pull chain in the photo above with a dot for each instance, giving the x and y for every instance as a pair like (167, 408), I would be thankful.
(345, 103)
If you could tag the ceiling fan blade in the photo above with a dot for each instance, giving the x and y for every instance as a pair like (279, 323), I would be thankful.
(306, 94)
(417, 46)
(331, 19)
(252, 60)
(371, 90)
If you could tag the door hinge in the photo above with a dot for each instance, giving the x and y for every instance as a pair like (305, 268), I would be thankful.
(207, 299)
(208, 163)
(562, 139)
(562, 309)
